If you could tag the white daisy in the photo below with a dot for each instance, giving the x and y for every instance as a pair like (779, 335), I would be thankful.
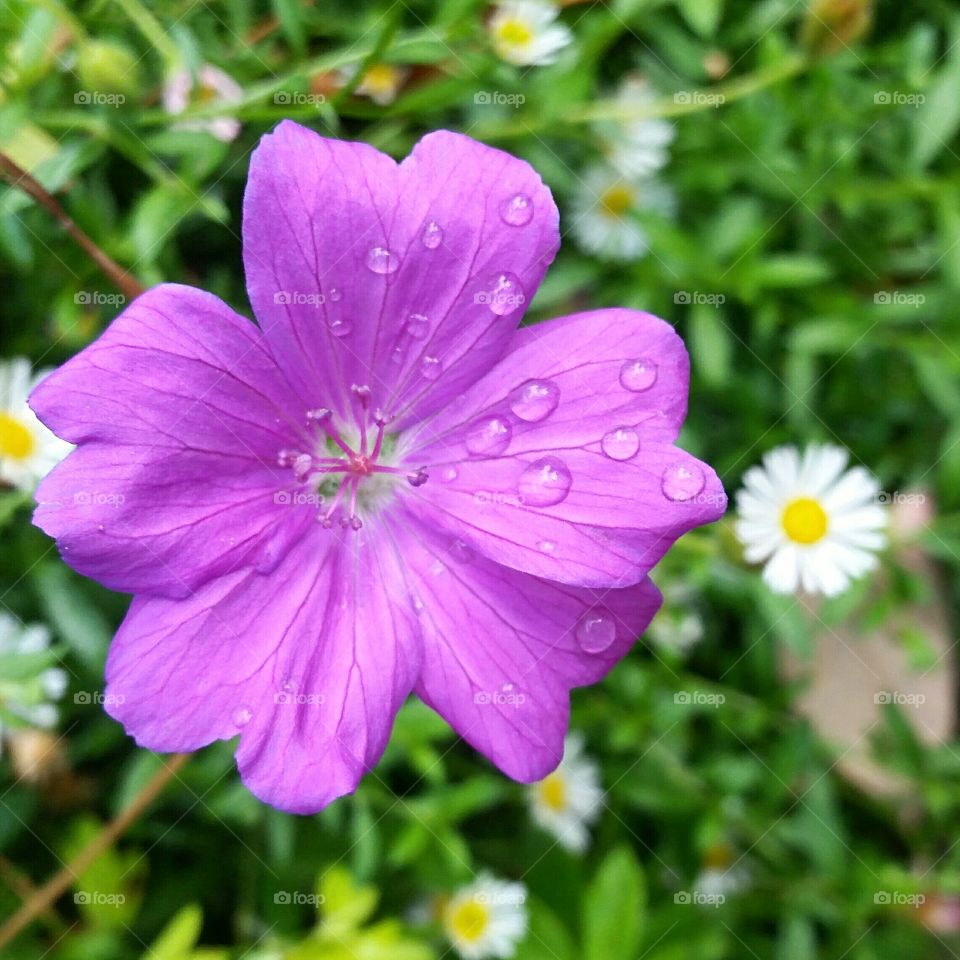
(523, 32)
(487, 918)
(27, 701)
(211, 86)
(817, 526)
(28, 450)
(721, 876)
(381, 82)
(678, 627)
(607, 208)
(570, 798)
(637, 148)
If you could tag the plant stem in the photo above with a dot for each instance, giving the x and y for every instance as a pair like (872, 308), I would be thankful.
(60, 882)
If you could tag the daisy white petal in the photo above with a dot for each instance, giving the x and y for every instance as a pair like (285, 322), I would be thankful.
(523, 32)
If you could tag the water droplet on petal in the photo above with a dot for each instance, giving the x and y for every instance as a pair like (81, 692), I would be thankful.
(682, 481)
(449, 474)
(381, 260)
(547, 546)
(504, 294)
(595, 632)
(489, 437)
(436, 568)
(288, 686)
(339, 326)
(430, 368)
(535, 400)
(335, 295)
(621, 444)
(417, 604)
(461, 551)
(545, 482)
(242, 716)
(432, 235)
(517, 210)
(638, 375)
(418, 326)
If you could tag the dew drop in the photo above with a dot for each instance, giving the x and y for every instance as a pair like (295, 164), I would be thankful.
(545, 482)
(682, 481)
(638, 375)
(417, 604)
(595, 632)
(503, 295)
(517, 210)
(620, 444)
(339, 326)
(430, 367)
(489, 437)
(418, 326)
(449, 474)
(432, 235)
(546, 546)
(288, 686)
(381, 260)
(242, 716)
(335, 295)
(535, 400)
(461, 551)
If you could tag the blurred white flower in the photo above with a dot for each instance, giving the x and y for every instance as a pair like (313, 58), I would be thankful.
(678, 627)
(487, 918)
(637, 148)
(381, 82)
(523, 32)
(606, 209)
(816, 526)
(567, 801)
(28, 450)
(211, 86)
(26, 701)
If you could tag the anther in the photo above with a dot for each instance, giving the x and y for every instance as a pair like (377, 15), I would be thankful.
(362, 393)
(418, 478)
(319, 415)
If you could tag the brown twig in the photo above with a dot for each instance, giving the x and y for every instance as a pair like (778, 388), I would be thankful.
(18, 177)
(60, 882)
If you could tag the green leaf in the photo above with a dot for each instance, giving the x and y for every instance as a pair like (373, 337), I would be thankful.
(702, 15)
(179, 936)
(614, 908)
(346, 904)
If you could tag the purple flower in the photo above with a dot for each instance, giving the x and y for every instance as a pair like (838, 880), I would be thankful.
(489, 499)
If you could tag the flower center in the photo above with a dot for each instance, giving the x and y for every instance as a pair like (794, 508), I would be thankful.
(514, 33)
(381, 78)
(617, 200)
(553, 792)
(334, 471)
(16, 441)
(804, 520)
(469, 920)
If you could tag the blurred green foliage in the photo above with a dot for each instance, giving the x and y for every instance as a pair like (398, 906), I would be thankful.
(820, 201)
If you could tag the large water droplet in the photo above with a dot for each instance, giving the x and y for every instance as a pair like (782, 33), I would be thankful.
(546, 546)
(503, 294)
(418, 326)
(242, 716)
(430, 367)
(517, 210)
(381, 260)
(432, 235)
(621, 444)
(595, 632)
(449, 474)
(339, 326)
(535, 400)
(489, 437)
(545, 482)
(682, 481)
(638, 375)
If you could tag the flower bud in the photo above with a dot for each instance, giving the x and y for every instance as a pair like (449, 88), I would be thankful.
(831, 25)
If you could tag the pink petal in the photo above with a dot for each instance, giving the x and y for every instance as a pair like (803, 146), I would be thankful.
(503, 649)
(609, 398)
(309, 665)
(403, 258)
(180, 413)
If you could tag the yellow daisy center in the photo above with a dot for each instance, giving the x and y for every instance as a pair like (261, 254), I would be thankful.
(469, 920)
(553, 792)
(514, 33)
(16, 441)
(204, 94)
(804, 520)
(617, 200)
(381, 78)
